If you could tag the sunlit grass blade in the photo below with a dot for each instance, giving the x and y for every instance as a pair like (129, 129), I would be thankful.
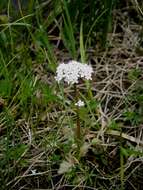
(82, 47)
(68, 32)
(107, 24)
(54, 13)
(93, 25)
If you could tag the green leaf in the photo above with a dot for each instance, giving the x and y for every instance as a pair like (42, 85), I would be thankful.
(113, 125)
(124, 152)
(83, 114)
(5, 88)
(16, 152)
(134, 74)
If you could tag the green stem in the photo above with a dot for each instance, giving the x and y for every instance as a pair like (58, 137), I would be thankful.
(77, 114)
(78, 125)
(121, 169)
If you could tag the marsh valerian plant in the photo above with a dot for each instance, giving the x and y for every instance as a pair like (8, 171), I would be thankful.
(71, 73)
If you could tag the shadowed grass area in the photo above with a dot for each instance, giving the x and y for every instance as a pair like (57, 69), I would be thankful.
(38, 148)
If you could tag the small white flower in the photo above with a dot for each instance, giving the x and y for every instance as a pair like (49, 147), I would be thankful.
(73, 71)
(79, 103)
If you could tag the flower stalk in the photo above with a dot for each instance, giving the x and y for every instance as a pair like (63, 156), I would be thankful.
(77, 114)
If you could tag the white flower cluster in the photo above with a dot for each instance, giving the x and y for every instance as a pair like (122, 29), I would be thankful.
(80, 103)
(73, 71)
